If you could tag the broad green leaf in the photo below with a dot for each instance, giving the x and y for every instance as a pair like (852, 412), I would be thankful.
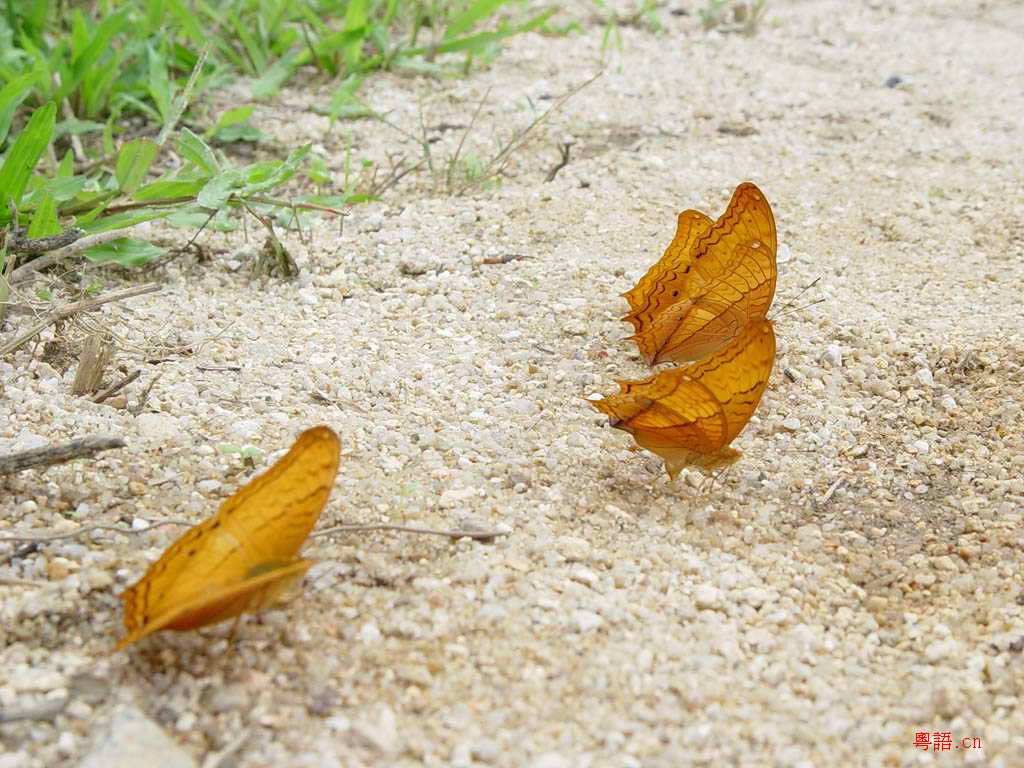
(94, 224)
(218, 189)
(133, 162)
(193, 219)
(126, 252)
(197, 152)
(264, 176)
(170, 189)
(232, 117)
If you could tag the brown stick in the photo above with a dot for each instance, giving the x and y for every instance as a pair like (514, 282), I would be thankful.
(477, 535)
(57, 454)
(68, 310)
(113, 389)
(47, 710)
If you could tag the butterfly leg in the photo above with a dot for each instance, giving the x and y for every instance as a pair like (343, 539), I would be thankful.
(709, 483)
(234, 630)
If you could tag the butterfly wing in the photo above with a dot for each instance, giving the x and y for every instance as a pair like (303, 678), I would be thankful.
(655, 290)
(728, 281)
(224, 602)
(689, 415)
(262, 524)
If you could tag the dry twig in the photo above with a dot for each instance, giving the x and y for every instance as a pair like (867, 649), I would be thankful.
(57, 454)
(62, 313)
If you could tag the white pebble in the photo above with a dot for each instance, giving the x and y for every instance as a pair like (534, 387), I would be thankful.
(369, 634)
(707, 596)
(586, 621)
(833, 355)
(159, 426)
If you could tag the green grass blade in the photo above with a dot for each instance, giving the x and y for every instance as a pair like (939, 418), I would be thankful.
(44, 218)
(11, 96)
(24, 154)
(469, 18)
(133, 162)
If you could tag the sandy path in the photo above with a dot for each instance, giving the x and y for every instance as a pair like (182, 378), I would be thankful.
(855, 580)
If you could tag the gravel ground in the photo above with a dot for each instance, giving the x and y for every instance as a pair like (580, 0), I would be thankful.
(856, 579)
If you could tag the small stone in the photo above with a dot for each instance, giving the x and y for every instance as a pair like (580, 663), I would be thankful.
(57, 569)
(833, 355)
(573, 548)
(209, 487)
(551, 760)
(791, 424)
(379, 731)
(586, 621)
(948, 403)
(245, 429)
(920, 446)
(574, 328)
(158, 426)
(33, 680)
(707, 596)
(130, 739)
(924, 377)
(95, 579)
(486, 750)
(369, 634)
(808, 537)
(226, 698)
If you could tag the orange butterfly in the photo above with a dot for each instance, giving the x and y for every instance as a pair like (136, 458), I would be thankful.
(714, 278)
(689, 415)
(243, 558)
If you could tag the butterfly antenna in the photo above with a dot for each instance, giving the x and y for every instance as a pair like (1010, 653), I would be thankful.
(797, 309)
(803, 290)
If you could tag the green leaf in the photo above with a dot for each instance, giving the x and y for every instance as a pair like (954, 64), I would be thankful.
(356, 30)
(11, 96)
(170, 189)
(218, 189)
(232, 117)
(271, 80)
(193, 219)
(160, 88)
(468, 19)
(44, 218)
(22, 158)
(264, 176)
(197, 152)
(133, 162)
(92, 224)
(63, 188)
(126, 252)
